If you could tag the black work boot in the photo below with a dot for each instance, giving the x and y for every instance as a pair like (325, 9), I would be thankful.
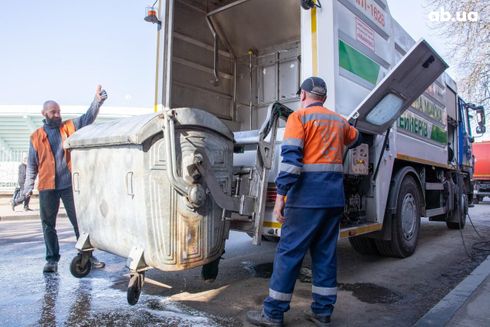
(259, 318)
(50, 267)
(320, 321)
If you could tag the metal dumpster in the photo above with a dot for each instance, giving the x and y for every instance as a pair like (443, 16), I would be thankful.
(128, 202)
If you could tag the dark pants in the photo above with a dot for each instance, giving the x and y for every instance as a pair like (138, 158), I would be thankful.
(49, 204)
(19, 197)
(314, 229)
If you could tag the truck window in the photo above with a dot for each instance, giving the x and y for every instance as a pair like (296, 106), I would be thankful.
(385, 110)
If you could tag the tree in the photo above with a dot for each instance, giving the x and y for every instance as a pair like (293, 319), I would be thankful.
(468, 31)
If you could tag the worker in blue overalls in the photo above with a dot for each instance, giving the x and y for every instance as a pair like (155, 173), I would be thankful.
(311, 176)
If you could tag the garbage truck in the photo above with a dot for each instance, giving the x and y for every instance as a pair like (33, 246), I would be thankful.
(164, 190)
(481, 175)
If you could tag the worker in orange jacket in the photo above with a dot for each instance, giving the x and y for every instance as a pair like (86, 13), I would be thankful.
(311, 176)
(48, 160)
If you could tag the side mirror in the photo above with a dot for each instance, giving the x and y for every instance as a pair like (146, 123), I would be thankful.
(480, 119)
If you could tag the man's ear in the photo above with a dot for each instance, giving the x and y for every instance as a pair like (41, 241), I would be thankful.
(302, 96)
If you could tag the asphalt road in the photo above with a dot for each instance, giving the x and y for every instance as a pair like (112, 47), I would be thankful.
(373, 291)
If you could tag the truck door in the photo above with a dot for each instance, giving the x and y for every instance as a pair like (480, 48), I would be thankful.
(419, 68)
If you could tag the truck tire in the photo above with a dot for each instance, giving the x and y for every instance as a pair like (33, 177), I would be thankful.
(459, 215)
(405, 226)
(364, 245)
(476, 200)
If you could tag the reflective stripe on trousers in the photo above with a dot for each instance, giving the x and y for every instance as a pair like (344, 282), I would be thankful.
(316, 229)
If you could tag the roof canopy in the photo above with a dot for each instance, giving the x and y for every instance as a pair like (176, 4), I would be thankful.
(17, 122)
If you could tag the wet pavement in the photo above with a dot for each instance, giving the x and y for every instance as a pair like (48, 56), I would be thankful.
(31, 298)
(373, 291)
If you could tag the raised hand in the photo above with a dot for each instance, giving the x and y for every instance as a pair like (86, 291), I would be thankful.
(100, 94)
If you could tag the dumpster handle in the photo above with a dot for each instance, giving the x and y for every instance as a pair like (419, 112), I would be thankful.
(129, 183)
(169, 135)
(76, 182)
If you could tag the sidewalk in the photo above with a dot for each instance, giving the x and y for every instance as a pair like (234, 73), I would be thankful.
(466, 305)
(6, 212)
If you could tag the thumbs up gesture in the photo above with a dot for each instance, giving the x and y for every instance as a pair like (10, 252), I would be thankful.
(100, 94)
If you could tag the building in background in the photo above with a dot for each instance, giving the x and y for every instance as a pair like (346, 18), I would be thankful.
(17, 122)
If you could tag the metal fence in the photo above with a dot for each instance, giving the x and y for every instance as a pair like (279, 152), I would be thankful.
(9, 156)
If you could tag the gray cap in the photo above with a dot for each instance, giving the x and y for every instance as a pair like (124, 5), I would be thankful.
(314, 85)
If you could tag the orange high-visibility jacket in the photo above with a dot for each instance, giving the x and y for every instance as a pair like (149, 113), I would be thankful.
(311, 171)
(47, 166)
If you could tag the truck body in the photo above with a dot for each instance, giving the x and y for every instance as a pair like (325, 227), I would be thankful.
(236, 58)
(190, 177)
(481, 175)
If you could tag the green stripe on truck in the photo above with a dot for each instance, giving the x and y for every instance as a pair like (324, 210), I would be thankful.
(355, 62)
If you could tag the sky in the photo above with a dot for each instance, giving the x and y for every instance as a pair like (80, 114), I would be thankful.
(60, 50)
(413, 16)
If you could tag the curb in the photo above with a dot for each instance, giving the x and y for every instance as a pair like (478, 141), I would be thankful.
(27, 217)
(445, 310)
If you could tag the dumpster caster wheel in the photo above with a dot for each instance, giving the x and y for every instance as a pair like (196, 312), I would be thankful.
(134, 287)
(77, 269)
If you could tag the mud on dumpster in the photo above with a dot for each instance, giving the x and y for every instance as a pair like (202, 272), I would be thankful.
(125, 201)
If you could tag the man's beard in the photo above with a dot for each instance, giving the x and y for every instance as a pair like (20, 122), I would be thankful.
(55, 122)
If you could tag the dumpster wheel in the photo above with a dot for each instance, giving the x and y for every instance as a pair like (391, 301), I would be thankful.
(76, 268)
(136, 281)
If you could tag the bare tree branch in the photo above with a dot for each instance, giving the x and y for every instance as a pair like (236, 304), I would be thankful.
(470, 45)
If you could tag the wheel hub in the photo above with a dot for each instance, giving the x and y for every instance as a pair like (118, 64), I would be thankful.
(409, 216)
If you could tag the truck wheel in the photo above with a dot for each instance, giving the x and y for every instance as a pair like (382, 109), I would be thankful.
(405, 226)
(476, 200)
(459, 215)
(364, 245)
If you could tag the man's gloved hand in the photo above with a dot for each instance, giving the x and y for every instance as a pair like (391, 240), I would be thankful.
(28, 193)
(100, 94)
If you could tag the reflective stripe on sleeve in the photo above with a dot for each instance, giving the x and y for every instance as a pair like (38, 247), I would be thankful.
(336, 168)
(288, 168)
(325, 291)
(280, 296)
(293, 141)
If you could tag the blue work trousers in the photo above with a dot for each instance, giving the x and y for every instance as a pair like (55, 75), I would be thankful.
(49, 204)
(316, 229)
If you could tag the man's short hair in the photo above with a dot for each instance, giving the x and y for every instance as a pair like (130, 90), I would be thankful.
(313, 96)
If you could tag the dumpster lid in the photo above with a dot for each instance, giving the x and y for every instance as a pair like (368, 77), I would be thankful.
(137, 129)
